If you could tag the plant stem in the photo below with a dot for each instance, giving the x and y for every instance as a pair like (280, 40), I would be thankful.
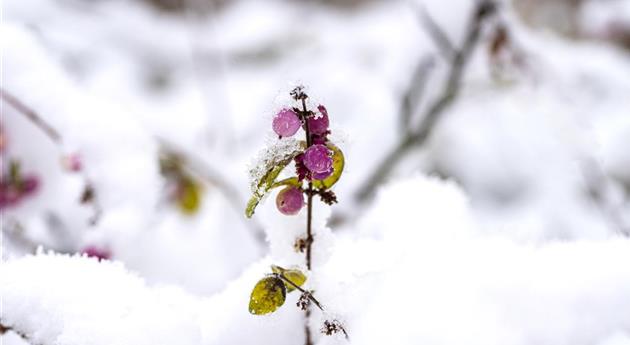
(309, 234)
(310, 295)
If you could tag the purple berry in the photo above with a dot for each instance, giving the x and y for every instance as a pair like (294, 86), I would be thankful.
(317, 159)
(290, 200)
(30, 183)
(286, 123)
(319, 123)
(96, 252)
(321, 176)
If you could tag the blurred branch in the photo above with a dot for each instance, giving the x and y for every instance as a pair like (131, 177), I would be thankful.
(31, 115)
(4, 329)
(597, 186)
(89, 195)
(418, 136)
(14, 232)
(436, 33)
(413, 94)
(196, 167)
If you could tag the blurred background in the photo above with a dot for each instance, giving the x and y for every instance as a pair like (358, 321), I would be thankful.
(128, 127)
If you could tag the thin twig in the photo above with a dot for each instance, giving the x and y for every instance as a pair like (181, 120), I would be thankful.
(451, 89)
(436, 33)
(31, 115)
(312, 298)
(4, 329)
(212, 176)
(297, 287)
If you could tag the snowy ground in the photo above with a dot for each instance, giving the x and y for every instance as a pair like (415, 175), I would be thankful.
(510, 226)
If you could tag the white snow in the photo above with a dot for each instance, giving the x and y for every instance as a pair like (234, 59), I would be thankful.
(518, 242)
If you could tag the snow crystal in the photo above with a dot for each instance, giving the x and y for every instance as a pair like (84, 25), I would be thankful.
(280, 150)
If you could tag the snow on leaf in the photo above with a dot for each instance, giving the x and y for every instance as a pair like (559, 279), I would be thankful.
(269, 165)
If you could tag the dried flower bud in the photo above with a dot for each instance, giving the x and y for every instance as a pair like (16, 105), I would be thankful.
(318, 124)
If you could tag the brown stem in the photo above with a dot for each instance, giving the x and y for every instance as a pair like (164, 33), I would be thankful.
(451, 89)
(307, 311)
(309, 234)
(297, 287)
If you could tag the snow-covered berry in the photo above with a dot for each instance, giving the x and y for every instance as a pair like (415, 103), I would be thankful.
(318, 124)
(290, 200)
(286, 123)
(317, 159)
(97, 252)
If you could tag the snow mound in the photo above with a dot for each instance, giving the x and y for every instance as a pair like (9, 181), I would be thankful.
(61, 299)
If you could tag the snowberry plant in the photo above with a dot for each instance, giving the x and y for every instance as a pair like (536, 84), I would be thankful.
(318, 166)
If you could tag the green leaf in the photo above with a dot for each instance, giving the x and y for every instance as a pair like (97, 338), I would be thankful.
(338, 164)
(291, 181)
(295, 276)
(268, 295)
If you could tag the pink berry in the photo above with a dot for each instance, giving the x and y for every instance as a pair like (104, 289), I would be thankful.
(319, 123)
(317, 159)
(97, 252)
(286, 123)
(72, 162)
(290, 200)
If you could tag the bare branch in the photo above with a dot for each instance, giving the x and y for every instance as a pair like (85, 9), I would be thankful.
(31, 115)
(419, 135)
(413, 95)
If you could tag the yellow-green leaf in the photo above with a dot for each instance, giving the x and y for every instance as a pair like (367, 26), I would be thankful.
(291, 181)
(268, 295)
(338, 164)
(295, 276)
(189, 196)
